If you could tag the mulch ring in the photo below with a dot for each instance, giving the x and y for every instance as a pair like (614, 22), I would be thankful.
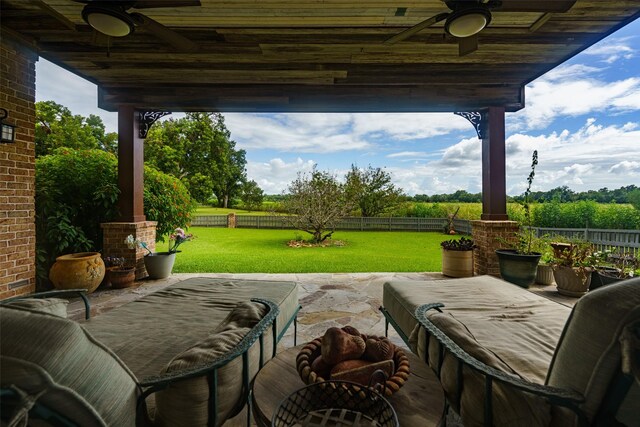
(305, 244)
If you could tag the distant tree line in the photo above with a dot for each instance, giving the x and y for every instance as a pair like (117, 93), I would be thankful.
(628, 194)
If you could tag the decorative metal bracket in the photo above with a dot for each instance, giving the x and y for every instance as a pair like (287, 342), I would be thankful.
(478, 119)
(148, 118)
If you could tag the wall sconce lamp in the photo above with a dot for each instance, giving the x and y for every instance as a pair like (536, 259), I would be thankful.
(8, 131)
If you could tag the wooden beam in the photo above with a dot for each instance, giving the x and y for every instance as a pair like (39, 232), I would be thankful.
(494, 189)
(130, 166)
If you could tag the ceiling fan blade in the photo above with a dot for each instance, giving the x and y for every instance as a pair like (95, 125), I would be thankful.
(178, 41)
(551, 6)
(152, 4)
(467, 45)
(416, 28)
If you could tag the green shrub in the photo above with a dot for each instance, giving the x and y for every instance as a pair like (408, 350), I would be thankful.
(166, 200)
(76, 190)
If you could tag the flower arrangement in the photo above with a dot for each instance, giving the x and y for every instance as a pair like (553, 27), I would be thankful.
(113, 262)
(177, 238)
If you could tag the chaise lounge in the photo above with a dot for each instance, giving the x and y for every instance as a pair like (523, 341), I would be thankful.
(181, 356)
(506, 356)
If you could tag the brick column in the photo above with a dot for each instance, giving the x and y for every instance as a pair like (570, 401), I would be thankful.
(17, 171)
(488, 235)
(116, 232)
(231, 220)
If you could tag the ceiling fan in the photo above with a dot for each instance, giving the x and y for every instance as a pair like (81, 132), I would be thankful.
(111, 17)
(468, 17)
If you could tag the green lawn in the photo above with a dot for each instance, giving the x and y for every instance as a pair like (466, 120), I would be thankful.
(224, 250)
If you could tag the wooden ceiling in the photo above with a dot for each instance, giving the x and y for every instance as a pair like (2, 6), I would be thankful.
(312, 55)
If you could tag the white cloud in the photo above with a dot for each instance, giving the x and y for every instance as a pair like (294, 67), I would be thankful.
(275, 175)
(413, 154)
(626, 167)
(563, 95)
(78, 95)
(612, 50)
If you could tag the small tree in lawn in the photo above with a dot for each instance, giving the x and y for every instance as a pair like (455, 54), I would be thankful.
(251, 195)
(316, 202)
(372, 190)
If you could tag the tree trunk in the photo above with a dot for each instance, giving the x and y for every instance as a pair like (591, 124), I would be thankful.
(226, 201)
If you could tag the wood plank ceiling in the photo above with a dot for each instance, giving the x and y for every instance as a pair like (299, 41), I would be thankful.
(312, 55)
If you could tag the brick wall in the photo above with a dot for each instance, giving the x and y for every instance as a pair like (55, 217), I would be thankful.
(114, 235)
(17, 172)
(489, 236)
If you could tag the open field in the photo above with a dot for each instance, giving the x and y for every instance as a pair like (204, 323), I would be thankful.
(223, 250)
(210, 210)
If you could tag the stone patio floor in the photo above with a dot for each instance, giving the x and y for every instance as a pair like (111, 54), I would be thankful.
(327, 299)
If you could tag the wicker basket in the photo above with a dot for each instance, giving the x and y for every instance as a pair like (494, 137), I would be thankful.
(312, 350)
(334, 403)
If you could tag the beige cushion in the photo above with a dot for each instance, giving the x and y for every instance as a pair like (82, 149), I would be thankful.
(589, 351)
(185, 403)
(86, 381)
(510, 408)
(520, 327)
(55, 306)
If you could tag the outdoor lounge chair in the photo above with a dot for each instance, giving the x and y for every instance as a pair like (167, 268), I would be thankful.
(182, 356)
(506, 356)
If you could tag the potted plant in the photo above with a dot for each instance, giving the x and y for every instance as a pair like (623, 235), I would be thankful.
(544, 272)
(572, 264)
(519, 264)
(118, 275)
(619, 266)
(160, 264)
(457, 257)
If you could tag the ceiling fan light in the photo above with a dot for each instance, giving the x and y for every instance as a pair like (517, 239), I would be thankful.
(110, 21)
(467, 22)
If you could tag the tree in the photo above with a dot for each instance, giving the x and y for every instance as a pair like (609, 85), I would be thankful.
(251, 195)
(372, 190)
(633, 197)
(198, 150)
(316, 203)
(56, 127)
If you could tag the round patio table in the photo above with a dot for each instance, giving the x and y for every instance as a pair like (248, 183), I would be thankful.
(419, 403)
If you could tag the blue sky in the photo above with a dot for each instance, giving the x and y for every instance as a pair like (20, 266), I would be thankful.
(583, 117)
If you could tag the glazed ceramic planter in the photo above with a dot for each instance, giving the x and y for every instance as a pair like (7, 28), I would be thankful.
(159, 264)
(517, 268)
(457, 263)
(83, 270)
(572, 281)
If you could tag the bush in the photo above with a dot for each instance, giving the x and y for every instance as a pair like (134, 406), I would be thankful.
(166, 200)
(76, 190)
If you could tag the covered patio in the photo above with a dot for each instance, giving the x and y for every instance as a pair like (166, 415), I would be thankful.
(303, 56)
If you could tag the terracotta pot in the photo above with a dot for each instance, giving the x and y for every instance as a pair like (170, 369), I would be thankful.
(457, 263)
(122, 277)
(159, 264)
(83, 270)
(571, 281)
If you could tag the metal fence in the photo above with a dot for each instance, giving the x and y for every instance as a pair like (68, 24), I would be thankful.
(348, 223)
(625, 240)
